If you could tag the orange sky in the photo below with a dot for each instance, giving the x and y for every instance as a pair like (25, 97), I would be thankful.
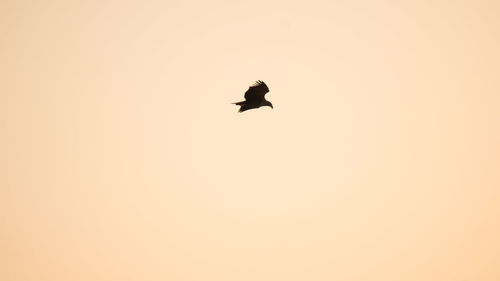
(122, 158)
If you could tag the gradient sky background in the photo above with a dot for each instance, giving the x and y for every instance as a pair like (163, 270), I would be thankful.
(121, 157)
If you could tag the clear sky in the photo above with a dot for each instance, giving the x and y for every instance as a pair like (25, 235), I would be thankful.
(122, 157)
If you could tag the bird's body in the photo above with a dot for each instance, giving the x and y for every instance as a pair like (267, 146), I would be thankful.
(255, 97)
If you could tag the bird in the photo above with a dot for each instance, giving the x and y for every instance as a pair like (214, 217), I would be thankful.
(254, 97)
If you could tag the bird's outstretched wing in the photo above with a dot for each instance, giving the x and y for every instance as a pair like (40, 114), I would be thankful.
(256, 91)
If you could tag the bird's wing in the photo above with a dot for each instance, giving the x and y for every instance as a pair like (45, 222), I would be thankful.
(256, 91)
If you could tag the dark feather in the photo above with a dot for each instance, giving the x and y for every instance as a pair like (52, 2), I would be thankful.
(256, 91)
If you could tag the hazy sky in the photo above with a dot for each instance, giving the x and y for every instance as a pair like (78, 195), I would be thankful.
(122, 157)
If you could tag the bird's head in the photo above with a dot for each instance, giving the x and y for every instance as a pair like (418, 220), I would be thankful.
(268, 103)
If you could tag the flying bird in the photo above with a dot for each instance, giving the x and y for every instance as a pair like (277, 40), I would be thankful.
(254, 97)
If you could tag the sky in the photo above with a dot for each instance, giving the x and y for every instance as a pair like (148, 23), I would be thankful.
(122, 157)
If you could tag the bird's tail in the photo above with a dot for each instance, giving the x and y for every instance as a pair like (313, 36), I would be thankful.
(242, 106)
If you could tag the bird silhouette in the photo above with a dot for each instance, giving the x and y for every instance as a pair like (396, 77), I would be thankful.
(255, 97)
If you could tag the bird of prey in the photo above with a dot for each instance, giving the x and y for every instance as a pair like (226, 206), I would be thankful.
(254, 97)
